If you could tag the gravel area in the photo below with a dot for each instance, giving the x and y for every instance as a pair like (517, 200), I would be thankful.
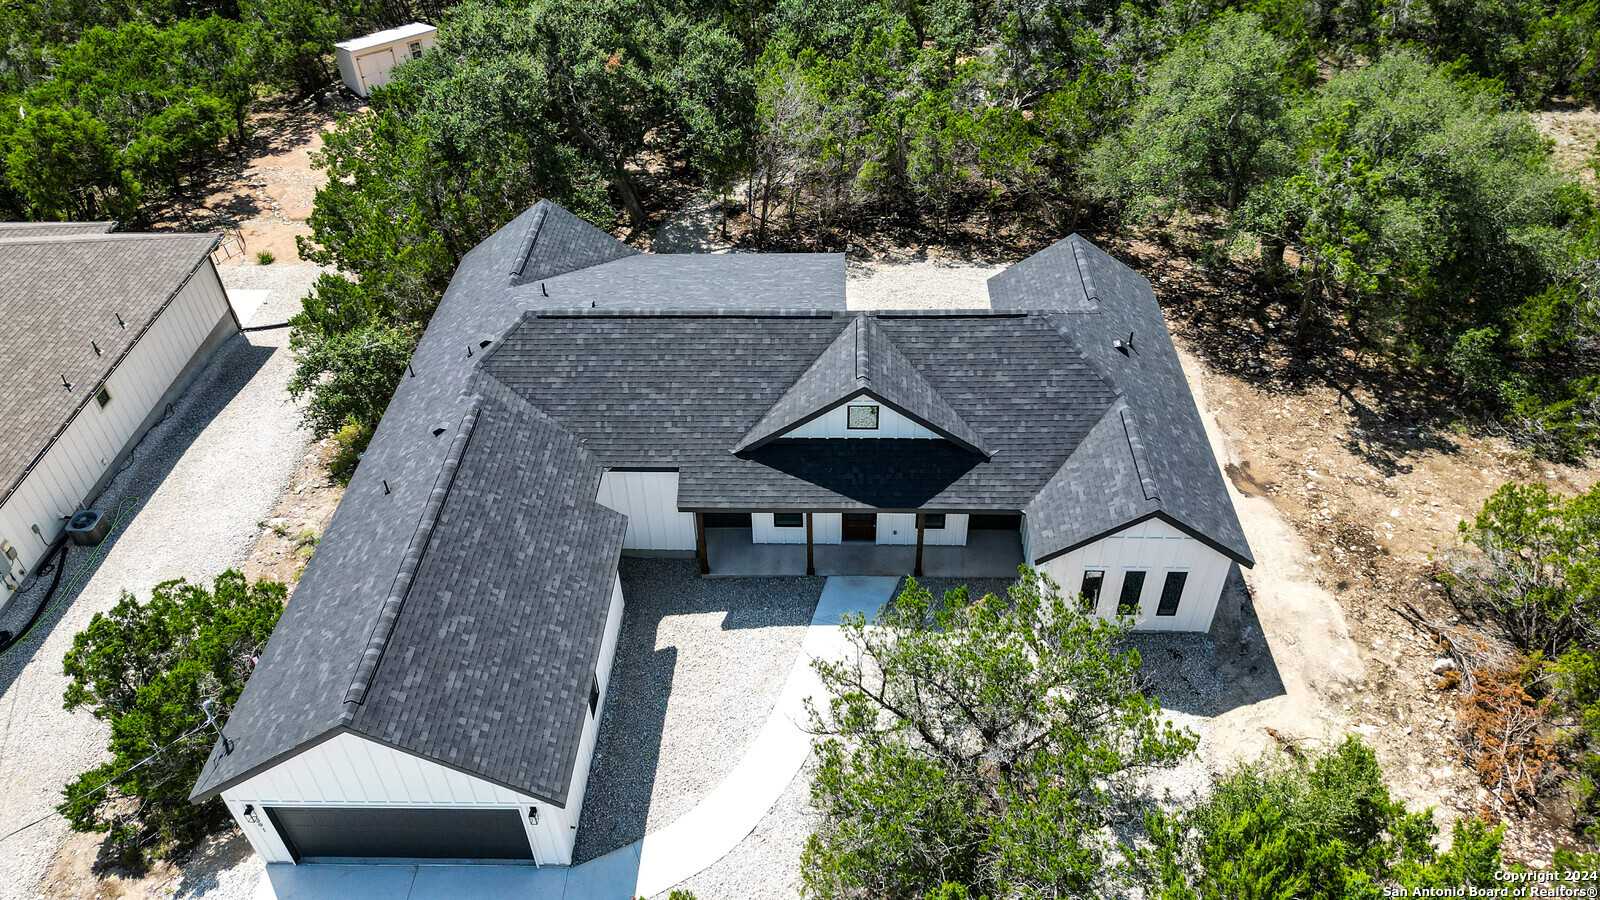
(766, 864)
(918, 285)
(202, 479)
(699, 667)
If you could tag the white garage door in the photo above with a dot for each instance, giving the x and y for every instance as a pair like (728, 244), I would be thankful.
(375, 67)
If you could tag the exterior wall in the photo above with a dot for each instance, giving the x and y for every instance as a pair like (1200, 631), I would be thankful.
(826, 528)
(347, 71)
(358, 77)
(1155, 547)
(901, 528)
(650, 501)
(86, 455)
(832, 424)
(350, 770)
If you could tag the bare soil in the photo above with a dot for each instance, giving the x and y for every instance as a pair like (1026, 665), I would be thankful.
(1575, 133)
(289, 537)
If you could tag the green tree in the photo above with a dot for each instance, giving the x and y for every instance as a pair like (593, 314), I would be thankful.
(1213, 124)
(348, 377)
(982, 742)
(62, 165)
(145, 668)
(1321, 827)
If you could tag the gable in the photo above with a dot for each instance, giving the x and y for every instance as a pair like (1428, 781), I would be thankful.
(863, 416)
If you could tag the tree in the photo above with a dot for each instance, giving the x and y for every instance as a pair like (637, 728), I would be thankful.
(62, 164)
(982, 743)
(1318, 827)
(348, 377)
(146, 668)
(1213, 124)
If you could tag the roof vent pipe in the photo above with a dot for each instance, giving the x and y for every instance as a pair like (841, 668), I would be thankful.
(65, 383)
(120, 323)
(96, 347)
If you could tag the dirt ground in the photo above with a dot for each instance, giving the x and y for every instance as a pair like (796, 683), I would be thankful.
(267, 191)
(1575, 130)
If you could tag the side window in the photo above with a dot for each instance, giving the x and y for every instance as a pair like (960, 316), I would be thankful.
(594, 695)
(416, 49)
(788, 520)
(1171, 593)
(933, 521)
(1093, 580)
(1132, 587)
(102, 396)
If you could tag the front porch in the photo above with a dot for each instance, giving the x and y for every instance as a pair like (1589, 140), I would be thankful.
(987, 554)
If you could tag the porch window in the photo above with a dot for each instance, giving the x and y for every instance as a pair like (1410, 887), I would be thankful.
(788, 520)
(1093, 580)
(1171, 593)
(1132, 587)
(933, 521)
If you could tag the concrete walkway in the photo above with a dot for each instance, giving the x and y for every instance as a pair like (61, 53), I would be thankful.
(662, 858)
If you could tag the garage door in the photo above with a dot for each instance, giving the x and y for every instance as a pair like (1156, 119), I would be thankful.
(434, 833)
(375, 68)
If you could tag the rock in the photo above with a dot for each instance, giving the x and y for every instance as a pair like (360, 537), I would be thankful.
(1443, 664)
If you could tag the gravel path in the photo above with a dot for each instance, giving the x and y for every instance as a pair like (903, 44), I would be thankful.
(766, 864)
(698, 671)
(203, 478)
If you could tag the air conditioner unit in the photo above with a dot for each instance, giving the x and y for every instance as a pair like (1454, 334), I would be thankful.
(88, 526)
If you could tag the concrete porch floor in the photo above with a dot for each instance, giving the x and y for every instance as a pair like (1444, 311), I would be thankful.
(988, 554)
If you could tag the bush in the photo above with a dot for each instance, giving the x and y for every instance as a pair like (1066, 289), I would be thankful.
(350, 376)
(1317, 827)
(349, 443)
(265, 258)
(146, 668)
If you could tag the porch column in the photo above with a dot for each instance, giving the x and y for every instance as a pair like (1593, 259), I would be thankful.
(917, 571)
(811, 563)
(700, 543)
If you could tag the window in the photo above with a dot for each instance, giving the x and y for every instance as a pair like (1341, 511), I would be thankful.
(862, 418)
(933, 521)
(1171, 593)
(102, 396)
(788, 520)
(416, 49)
(1093, 580)
(594, 695)
(1132, 587)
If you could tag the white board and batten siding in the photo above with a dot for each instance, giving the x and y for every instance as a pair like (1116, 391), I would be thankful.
(901, 528)
(81, 460)
(650, 501)
(351, 770)
(1156, 548)
(826, 528)
(834, 424)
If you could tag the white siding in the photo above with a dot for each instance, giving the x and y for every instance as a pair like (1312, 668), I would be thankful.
(362, 70)
(901, 528)
(1154, 547)
(350, 770)
(826, 528)
(833, 424)
(70, 472)
(650, 501)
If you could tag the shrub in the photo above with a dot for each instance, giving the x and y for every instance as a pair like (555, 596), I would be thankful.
(146, 668)
(349, 442)
(265, 258)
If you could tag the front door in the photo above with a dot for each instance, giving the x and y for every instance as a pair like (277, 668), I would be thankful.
(860, 527)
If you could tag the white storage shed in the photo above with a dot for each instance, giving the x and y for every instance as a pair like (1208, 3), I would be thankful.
(365, 62)
(99, 332)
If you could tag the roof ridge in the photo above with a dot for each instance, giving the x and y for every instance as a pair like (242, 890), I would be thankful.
(1091, 294)
(530, 240)
(389, 614)
(1141, 462)
(863, 350)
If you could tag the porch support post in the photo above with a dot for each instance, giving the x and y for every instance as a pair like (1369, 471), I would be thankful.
(700, 543)
(811, 562)
(918, 570)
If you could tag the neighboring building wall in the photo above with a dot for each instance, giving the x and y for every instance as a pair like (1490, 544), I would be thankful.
(1156, 548)
(85, 457)
(901, 528)
(826, 528)
(361, 69)
(351, 770)
(833, 424)
(650, 501)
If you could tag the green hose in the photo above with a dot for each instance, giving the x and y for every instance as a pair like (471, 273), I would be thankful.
(124, 511)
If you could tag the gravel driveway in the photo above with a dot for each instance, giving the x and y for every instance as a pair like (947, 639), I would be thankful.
(203, 479)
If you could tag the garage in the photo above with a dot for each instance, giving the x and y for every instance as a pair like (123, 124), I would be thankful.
(366, 62)
(312, 832)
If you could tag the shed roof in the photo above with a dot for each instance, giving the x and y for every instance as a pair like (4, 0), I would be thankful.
(61, 297)
(387, 36)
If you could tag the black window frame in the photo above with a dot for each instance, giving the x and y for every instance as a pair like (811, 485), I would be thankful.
(877, 416)
(783, 520)
(933, 521)
(1090, 597)
(594, 695)
(1134, 578)
(105, 393)
(1182, 580)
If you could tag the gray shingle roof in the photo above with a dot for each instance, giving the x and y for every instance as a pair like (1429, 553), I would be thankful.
(1098, 301)
(600, 356)
(60, 297)
(52, 229)
(861, 360)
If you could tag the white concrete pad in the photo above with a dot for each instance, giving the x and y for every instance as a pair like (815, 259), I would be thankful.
(246, 302)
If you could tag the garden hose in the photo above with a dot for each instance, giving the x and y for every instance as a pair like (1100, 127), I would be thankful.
(124, 511)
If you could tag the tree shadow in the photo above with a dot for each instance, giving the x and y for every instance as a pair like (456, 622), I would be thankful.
(628, 749)
(230, 368)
